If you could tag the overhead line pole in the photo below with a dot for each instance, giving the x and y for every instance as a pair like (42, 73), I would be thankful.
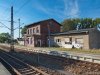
(49, 34)
(19, 27)
(12, 30)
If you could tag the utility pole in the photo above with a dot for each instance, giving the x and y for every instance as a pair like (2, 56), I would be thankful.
(49, 34)
(12, 31)
(19, 27)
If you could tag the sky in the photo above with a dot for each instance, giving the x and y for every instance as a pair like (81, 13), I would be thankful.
(30, 11)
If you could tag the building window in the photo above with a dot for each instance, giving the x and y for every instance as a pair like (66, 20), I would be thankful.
(31, 41)
(30, 31)
(33, 30)
(79, 40)
(58, 40)
(28, 41)
(68, 40)
(37, 30)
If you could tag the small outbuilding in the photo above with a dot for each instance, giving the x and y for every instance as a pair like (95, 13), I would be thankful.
(83, 38)
(20, 41)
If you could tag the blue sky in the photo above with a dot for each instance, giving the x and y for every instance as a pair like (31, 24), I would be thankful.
(30, 11)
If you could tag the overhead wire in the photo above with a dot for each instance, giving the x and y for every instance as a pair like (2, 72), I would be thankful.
(25, 3)
(5, 25)
(21, 7)
(12, 3)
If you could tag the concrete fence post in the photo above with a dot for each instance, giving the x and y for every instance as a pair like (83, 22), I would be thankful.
(92, 59)
(84, 58)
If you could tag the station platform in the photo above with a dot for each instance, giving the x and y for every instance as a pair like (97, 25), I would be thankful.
(3, 70)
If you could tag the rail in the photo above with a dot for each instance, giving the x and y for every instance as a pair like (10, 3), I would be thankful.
(38, 72)
(12, 69)
(75, 56)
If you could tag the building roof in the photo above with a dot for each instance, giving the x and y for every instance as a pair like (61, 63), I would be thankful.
(39, 22)
(73, 32)
(20, 39)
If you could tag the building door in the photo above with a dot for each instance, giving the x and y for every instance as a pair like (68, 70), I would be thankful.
(39, 43)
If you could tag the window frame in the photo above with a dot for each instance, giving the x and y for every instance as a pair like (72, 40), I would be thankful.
(37, 29)
(70, 40)
(79, 42)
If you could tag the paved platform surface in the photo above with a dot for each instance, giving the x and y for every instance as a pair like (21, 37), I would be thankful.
(3, 70)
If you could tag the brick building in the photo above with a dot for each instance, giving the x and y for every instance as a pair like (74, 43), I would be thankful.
(37, 33)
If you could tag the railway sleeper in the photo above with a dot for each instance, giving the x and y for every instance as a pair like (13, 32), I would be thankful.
(29, 73)
(23, 68)
(38, 74)
(32, 73)
(25, 71)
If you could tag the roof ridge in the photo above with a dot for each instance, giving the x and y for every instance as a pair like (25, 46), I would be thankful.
(39, 22)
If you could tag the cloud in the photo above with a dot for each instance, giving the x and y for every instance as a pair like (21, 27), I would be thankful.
(71, 8)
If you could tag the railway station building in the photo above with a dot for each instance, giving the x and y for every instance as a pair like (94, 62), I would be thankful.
(37, 33)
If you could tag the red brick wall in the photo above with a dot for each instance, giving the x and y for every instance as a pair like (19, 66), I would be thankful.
(45, 26)
(54, 27)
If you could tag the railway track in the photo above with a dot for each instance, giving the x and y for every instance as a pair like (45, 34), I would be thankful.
(76, 67)
(19, 66)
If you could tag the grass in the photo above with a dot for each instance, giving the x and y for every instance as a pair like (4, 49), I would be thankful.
(90, 51)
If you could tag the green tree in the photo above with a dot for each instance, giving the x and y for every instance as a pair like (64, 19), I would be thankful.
(86, 23)
(23, 31)
(5, 37)
(76, 21)
(67, 25)
(71, 24)
(96, 21)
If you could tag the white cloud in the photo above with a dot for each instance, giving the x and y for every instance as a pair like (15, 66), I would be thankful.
(71, 8)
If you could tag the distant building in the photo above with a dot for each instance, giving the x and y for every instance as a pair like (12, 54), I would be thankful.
(20, 41)
(37, 33)
(87, 38)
